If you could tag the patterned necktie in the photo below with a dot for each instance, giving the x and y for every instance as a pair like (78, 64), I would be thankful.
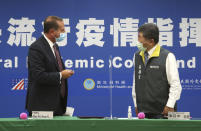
(59, 61)
(146, 55)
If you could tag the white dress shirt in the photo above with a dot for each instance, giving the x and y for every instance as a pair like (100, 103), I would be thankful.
(172, 77)
(52, 48)
(51, 45)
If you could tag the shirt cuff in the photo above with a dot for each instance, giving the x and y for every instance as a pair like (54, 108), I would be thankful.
(135, 103)
(171, 103)
(60, 76)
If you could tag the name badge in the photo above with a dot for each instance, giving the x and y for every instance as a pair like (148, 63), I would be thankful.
(179, 115)
(154, 67)
(42, 114)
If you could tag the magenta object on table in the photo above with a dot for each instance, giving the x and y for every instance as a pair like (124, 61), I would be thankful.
(141, 115)
(23, 115)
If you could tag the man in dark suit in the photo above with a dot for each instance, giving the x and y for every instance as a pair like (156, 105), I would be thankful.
(47, 77)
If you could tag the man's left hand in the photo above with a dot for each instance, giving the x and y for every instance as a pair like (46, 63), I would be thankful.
(166, 110)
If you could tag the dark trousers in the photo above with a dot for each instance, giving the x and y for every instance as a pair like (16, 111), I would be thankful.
(154, 116)
(60, 110)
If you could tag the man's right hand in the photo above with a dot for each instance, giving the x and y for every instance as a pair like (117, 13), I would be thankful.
(136, 111)
(66, 73)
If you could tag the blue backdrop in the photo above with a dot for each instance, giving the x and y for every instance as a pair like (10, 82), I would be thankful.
(96, 30)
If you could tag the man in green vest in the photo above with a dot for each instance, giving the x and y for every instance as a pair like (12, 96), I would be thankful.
(156, 83)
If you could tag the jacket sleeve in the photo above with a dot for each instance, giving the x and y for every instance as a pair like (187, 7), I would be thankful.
(37, 71)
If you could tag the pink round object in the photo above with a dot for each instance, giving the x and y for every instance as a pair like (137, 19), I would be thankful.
(141, 115)
(23, 115)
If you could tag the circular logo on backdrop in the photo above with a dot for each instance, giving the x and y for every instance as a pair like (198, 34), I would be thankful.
(89, 84)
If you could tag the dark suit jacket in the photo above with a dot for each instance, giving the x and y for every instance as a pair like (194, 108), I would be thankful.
(43, 93)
